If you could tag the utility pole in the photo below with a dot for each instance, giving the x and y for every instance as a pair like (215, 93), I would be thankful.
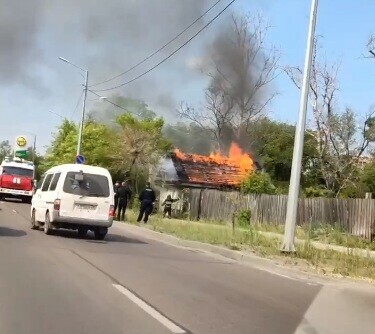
(34, 148)
(295, 177)
(80, 133)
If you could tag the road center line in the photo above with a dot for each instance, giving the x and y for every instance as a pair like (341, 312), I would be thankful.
(150, 310)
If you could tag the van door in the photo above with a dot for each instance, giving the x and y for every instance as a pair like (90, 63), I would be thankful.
(44, 196)
(86, 196)
(51, 193)
(36, 200)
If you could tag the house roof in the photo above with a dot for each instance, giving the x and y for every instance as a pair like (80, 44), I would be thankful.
(209, 172)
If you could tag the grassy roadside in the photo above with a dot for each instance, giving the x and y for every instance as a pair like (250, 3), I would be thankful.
(324, 261)
(324, 234)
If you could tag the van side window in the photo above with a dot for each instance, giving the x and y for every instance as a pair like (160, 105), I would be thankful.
(55, 179)
(47, 182)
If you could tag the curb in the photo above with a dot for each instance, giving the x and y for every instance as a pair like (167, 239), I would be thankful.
(175, 241)
(257, 262)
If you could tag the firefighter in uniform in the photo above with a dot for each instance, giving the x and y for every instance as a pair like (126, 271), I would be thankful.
(168, 206)
(147, 198)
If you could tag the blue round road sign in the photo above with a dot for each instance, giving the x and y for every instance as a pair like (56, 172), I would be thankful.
(80, 159)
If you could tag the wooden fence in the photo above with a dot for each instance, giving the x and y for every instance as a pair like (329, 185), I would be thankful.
(355, 216)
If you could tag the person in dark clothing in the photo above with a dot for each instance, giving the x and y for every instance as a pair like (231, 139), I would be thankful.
(147, 198)
(124, 194)
(168, 206)
(115, 189)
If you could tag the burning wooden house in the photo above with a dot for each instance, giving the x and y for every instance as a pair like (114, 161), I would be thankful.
(180, 171)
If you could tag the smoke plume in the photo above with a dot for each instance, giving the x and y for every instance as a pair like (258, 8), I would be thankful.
(241, 69)
(106, 37)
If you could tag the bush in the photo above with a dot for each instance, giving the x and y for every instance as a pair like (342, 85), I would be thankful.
(317, 192)
(243, 218)
(258, 183)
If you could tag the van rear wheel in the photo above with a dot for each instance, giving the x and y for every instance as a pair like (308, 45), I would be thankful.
(100, 233)
(47, 225)
(82, 232)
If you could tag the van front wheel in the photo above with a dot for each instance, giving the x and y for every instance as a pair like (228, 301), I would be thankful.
(100, 233)
(34, 224)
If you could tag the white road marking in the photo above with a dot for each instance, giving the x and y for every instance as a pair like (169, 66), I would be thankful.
(14, 211)
(303, 280)
(150, 310)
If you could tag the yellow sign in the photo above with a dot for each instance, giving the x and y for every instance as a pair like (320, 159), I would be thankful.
(21, 141)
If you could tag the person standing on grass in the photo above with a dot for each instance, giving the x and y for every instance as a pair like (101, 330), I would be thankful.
(124, 195)
(147, 197)
(115, 189)
(168, 206)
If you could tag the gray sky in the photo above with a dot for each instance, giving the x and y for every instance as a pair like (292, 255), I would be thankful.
(109, 36)
(106, 37)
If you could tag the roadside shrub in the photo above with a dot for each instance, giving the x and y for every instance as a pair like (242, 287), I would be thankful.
(258, 183)
(243, 218)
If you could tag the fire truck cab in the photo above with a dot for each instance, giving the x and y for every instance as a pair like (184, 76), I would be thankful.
(17, 179)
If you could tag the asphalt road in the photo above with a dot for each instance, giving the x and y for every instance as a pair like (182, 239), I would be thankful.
(129, 284)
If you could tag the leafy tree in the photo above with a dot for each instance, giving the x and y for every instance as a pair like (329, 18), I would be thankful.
(272, 143)
(5, 149)
(367, 177)
(97, 144)
(140, 142)
(258, 183)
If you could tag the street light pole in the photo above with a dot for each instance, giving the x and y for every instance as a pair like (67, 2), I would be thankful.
(295, 177)
(80, 132)
(34, 148)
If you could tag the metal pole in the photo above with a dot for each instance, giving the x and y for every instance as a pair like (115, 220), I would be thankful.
(80, 133)
(34, 148)
(295, 177)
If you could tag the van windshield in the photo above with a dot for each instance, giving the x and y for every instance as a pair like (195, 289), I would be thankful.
(92, 185)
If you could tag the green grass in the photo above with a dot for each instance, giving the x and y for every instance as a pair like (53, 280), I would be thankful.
(323, 233)
(326, 261)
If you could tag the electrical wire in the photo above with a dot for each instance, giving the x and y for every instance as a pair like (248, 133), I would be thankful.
(75, 109)
(109, 101)
(160, 49)
(170, 55)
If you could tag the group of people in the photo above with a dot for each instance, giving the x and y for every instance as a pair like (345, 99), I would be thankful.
(147, 197)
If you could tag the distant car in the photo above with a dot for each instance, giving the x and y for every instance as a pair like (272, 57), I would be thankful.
(76, 197)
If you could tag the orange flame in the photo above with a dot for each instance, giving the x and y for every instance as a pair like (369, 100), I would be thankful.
(238, 162)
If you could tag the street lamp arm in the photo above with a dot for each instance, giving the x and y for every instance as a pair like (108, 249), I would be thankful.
(80, 133)
(67, 61)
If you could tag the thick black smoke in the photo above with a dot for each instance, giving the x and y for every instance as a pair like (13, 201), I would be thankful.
(105, 37)
(19, 28)
(241, 68)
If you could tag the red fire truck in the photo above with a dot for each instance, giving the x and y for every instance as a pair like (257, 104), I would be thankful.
(17, 179)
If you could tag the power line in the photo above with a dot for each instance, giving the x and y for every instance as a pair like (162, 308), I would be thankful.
(109, 101)
(160, 49)
(113, 103)
(75, 109)
(173, 53)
